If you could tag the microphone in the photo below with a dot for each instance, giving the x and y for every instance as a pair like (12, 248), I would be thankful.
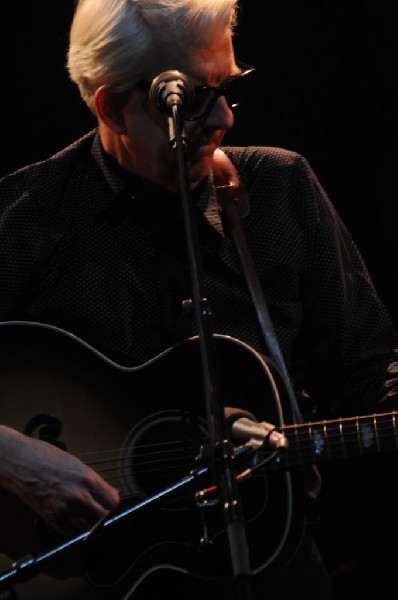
(172, 88)
(245, 428)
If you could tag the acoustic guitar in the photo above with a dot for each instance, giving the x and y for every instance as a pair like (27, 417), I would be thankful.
(144, 430)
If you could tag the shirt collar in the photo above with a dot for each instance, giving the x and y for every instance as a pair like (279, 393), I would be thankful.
(206, 199)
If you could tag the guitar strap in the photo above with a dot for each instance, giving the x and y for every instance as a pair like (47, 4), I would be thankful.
(234, 201)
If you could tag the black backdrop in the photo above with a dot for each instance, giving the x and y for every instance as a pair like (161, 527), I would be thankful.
(325, 87)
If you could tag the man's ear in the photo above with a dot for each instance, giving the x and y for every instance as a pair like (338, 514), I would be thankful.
(109, 105)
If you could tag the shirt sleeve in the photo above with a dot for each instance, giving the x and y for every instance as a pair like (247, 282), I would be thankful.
(351, 342)
(22, 247)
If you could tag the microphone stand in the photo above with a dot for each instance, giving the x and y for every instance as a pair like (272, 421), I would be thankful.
(220, 447)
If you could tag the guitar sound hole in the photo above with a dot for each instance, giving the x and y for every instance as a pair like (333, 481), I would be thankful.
(159, 451)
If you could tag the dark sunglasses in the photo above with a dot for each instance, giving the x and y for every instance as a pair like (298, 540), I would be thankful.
(234, 88)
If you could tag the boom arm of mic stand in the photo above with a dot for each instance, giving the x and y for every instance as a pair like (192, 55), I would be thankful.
(220, 446)
(28, 567)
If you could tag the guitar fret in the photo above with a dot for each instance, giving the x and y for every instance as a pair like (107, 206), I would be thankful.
(368, 435)
(311, 447)
(326, 438)
(314, 446)
(336, 445)
(352, 438)
(296, 447)
(387, 434)
(376, 433)
(319, 441)
(359, 437)
(343, 448)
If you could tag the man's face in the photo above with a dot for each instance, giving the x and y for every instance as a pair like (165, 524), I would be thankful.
(145, 150)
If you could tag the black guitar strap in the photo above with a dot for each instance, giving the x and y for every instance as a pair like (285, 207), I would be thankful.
(233, 199)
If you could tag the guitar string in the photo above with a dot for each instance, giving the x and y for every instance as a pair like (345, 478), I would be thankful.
(320, 428)
(350, 429)
(327, 428)
(297, 429)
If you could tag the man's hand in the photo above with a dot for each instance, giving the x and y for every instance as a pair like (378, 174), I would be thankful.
(56, 485)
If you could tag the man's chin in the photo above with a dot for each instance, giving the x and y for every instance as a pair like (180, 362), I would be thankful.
(200, 169)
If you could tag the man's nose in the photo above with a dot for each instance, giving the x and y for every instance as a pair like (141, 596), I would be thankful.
(221, 115)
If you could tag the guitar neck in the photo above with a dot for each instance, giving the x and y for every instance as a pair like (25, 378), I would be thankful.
(338, 439)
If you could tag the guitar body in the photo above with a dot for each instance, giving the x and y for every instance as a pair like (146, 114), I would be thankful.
(143, 429)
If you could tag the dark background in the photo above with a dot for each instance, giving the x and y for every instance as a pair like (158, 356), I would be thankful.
(326, 87)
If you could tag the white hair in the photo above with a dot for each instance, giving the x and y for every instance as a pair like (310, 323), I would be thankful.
(120, 42)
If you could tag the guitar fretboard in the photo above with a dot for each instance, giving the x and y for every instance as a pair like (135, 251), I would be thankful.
(341, 438)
